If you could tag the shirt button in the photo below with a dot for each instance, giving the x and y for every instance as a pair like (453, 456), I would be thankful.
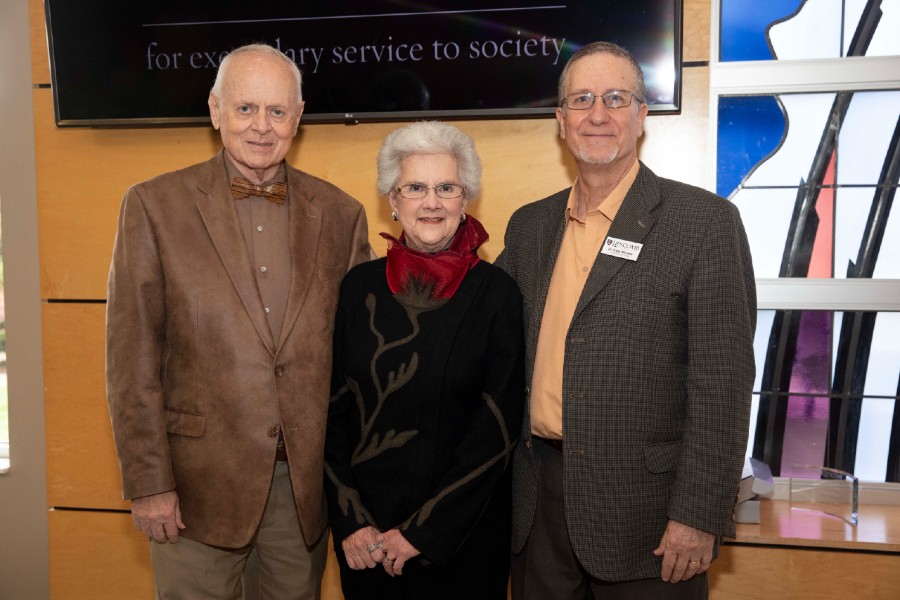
(273, 432)
(263, 269)
(584, 269)
(267, 310)
(279, 370)
(259, 227)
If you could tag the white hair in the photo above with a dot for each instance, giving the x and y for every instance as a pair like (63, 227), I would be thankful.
(429, 137)
(261, 49)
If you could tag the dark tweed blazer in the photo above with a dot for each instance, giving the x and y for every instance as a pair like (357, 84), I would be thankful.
(197, 386)
(658, 373)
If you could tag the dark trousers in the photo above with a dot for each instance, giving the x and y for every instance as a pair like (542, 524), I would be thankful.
(547, 568)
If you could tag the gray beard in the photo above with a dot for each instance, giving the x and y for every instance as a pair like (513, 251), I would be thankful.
(585, 157)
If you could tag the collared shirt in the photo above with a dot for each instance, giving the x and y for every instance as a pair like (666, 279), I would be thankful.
(267, 235)
(580, 245)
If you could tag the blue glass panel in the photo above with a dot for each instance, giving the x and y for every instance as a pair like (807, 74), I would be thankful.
(759, 167)
(749, 129)
(808, 118)
(742, 33)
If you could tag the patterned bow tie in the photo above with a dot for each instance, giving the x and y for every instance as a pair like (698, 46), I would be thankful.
(275, 192)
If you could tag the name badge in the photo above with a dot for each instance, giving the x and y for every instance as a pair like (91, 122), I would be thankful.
(621, 248)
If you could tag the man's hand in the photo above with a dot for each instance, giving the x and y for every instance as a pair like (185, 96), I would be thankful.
(686, 551)
(398, 550)
(158, 516)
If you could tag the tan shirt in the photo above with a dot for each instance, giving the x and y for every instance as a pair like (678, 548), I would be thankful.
(267, 234)
(580, 244)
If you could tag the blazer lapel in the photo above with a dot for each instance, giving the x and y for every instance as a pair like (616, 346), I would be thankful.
(306, 226)
(549, 231)
(222, 223)
(633, 222)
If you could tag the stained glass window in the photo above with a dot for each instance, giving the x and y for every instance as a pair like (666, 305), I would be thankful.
(813, 174)
(798, 29)
(813, 167)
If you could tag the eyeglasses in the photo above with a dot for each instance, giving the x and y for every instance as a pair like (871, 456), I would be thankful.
(610, 99)
(417, 191)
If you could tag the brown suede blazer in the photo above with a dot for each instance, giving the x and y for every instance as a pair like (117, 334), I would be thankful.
(198, 389)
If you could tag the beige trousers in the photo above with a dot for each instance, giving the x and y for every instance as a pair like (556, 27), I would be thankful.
(276, 565)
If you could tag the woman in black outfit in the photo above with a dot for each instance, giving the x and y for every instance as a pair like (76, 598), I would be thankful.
(428, 389)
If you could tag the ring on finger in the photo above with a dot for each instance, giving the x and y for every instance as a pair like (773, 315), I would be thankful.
(694, 562)
(389, 560)
(376, 546)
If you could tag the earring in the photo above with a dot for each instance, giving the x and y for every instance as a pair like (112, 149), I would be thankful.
(394, 215)
(462, 218)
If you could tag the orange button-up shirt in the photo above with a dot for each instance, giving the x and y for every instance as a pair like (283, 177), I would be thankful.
(580, 245)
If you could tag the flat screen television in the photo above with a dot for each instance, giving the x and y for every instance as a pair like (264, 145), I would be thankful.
(119, 63)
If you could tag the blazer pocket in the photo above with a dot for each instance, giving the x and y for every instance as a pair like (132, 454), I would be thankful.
(662, 458)
(182, 423)
(331, 273)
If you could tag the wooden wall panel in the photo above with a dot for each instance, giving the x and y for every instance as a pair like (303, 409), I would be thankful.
(82, 174)
(696, 30)
(98, 556)
(82, 471)
(745, 572)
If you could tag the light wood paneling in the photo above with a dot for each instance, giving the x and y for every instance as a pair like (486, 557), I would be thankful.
(82, 470)
(82, 174)
(98, 556)
(696, 30)
(804, 554)
(768, 572)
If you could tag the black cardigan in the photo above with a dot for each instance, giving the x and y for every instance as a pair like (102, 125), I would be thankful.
(441, 390)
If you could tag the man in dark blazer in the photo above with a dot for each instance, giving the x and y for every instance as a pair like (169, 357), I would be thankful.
(220, 315)
(640, 311)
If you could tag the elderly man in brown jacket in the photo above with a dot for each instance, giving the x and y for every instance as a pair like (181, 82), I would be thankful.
(219, 327)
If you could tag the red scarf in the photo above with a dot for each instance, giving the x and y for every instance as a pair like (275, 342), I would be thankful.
(444, 270)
